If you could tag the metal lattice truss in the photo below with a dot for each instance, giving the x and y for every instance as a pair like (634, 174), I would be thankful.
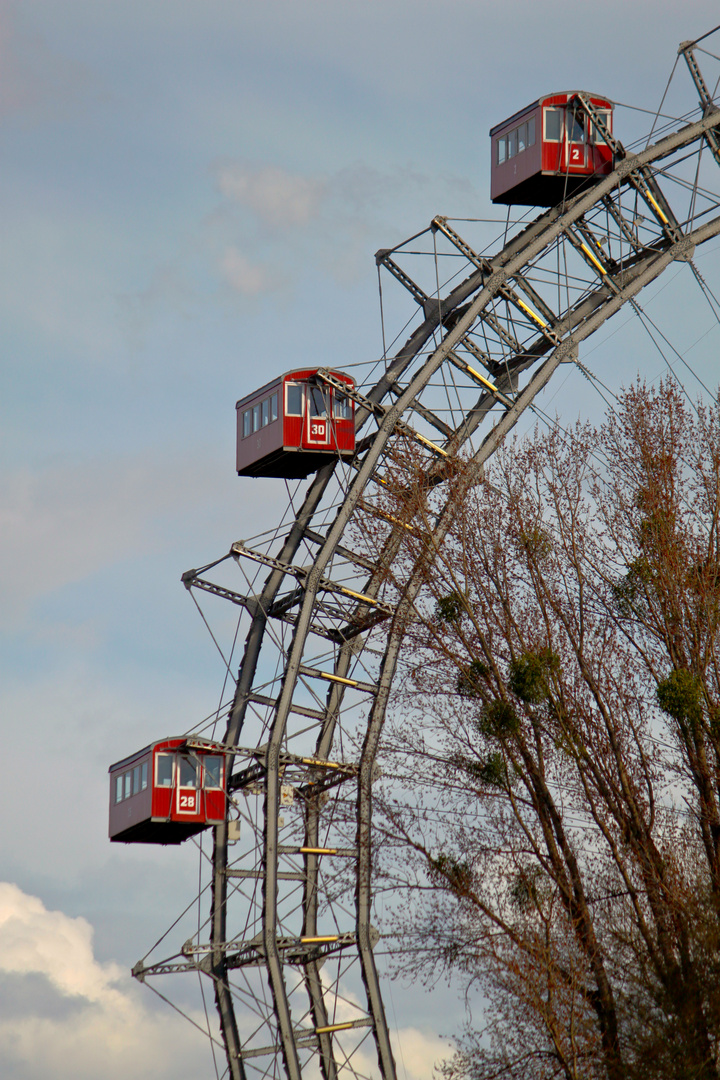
(289, 943)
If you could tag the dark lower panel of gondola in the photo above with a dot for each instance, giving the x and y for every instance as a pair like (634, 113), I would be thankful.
(542, 190)
(158, 832)
(290, 464)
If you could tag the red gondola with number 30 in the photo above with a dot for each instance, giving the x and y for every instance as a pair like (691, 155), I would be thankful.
(292, 426)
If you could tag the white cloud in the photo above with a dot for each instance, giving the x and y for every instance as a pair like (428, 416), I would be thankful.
(109, 1033)
(246, 277)
(418, 1052)
(278, 197)
(286, 223)
(37, 941)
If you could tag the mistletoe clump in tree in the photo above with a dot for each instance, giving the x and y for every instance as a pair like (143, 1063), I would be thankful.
(558, 747)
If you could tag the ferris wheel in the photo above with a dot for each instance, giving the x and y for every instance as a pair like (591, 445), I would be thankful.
(287, 942)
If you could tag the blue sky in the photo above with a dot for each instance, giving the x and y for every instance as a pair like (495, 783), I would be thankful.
(191, 196)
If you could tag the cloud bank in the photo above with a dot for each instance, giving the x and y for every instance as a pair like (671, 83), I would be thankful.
(278, 197)
(282, 222)
(110, 1032)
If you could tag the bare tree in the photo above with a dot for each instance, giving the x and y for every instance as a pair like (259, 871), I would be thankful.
(552, 795)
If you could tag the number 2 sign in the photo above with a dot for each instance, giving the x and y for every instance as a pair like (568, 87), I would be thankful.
(576, 156)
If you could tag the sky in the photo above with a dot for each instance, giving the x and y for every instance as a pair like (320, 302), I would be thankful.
(191, 196)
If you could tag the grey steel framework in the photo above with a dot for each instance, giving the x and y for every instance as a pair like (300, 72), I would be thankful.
(288, 946)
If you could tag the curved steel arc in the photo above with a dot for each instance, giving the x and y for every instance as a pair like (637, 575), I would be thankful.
(492, 441)
(405, 608)
(292, 670)
(608, 296)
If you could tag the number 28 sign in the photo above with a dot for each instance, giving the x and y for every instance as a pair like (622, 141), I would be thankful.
(187, 802)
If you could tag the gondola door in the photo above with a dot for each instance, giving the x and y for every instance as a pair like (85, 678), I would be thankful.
(575, 144)
(318, 420)
(187, 786)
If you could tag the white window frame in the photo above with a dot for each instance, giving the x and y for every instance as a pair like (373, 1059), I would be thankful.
(301, 387)
(546, 111)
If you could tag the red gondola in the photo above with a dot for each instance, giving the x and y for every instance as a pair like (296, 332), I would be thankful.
(543, 154)
(291, 426)
(165, 793)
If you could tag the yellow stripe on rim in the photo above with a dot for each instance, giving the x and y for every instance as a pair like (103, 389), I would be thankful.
(337, 678)
(530, 312)
(659, 211)
(481, 379)
(592, 259)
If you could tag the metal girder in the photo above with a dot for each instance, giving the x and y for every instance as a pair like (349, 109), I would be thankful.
(348, 590)
(383, 259)
(706, 101)
(440, 225)
(427, 303)
(643, 179)
(381, 410)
